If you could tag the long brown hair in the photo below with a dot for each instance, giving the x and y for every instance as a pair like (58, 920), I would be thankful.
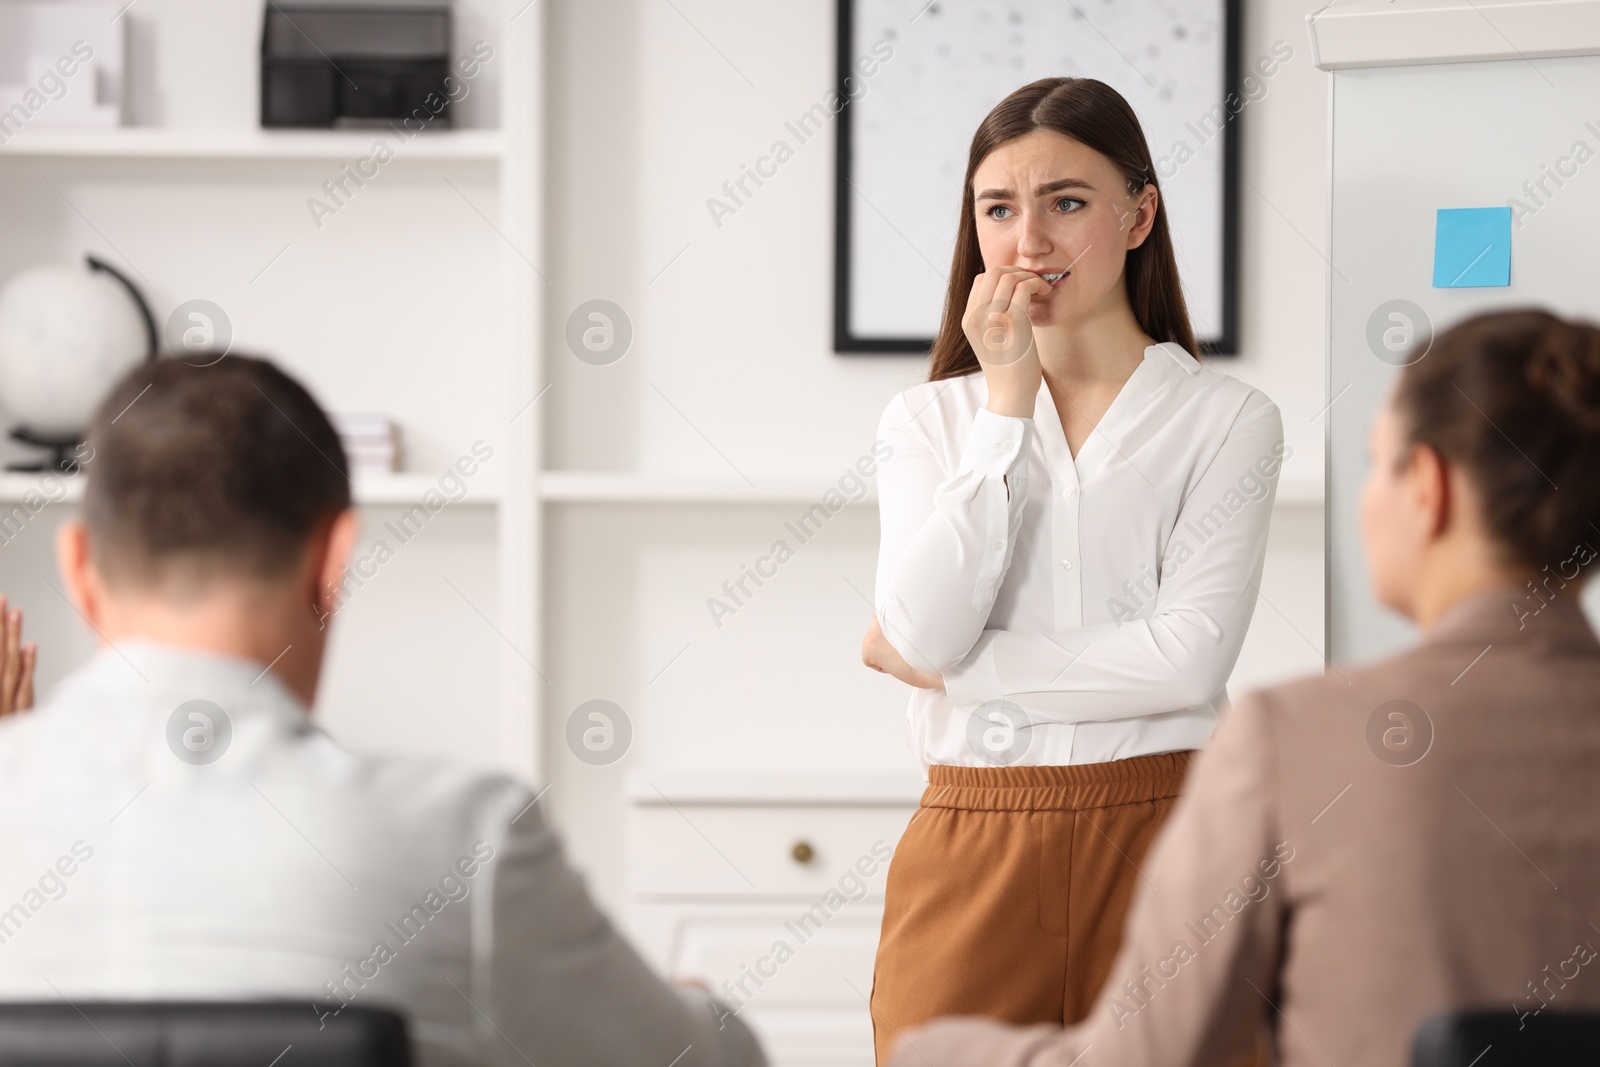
(1093, 114)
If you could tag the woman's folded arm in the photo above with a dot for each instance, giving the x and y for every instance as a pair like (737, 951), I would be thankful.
(1177, 654)
(946, 541)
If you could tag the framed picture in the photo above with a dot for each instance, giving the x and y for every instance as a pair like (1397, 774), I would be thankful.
(904, 135)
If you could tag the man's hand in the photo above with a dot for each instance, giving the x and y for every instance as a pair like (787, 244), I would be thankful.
(16, 662)
(881, 656)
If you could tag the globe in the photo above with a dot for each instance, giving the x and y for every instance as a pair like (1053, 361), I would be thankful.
(66, 336)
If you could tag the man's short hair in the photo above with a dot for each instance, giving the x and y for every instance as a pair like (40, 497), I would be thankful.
(211, 471)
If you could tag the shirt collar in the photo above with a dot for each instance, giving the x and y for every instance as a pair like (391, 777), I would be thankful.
(1175, 352)
(167, 666)
(1159, 361)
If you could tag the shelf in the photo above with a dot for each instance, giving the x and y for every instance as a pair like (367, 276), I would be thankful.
(403, 488)
(599, 487)
(602, 487)
(475, 146)
(408, 487)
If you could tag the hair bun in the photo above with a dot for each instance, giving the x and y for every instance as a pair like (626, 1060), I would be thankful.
(1565, 366)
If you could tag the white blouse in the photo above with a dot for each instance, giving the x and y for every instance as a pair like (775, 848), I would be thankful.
(1080, 609)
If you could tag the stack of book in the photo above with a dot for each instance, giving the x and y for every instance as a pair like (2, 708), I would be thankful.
(371, 443)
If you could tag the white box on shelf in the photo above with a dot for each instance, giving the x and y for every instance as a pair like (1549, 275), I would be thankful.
(371, 442)
(61, 64)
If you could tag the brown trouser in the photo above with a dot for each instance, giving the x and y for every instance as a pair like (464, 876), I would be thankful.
(1007, 892)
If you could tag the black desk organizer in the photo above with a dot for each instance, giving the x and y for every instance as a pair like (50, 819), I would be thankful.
(325, 65)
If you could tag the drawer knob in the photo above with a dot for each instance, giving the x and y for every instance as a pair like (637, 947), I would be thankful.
(803, 852)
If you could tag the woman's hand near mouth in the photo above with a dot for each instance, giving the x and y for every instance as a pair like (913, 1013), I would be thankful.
(997, 326)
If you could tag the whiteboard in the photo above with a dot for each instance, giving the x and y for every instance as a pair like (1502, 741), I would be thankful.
(1406, 141)
(953, 61)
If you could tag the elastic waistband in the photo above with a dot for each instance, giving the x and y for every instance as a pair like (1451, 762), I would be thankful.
(1065, 788)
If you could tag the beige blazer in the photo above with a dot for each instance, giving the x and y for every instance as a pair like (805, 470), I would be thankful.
(1355, 852)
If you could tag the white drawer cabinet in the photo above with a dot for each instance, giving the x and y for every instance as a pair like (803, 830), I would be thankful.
(762, 851)
(771, 892)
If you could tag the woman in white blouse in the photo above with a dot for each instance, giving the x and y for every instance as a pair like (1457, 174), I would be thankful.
(1074, 518)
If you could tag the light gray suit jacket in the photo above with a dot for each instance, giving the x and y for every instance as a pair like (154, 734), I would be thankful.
(1355, 852)
(244, 854)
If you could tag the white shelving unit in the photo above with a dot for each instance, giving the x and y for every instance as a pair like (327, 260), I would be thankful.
(422, 275)
(399, 488)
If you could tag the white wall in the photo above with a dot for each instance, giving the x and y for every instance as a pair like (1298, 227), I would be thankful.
(731, 369)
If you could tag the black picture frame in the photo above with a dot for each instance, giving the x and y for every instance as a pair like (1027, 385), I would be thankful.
(845, 342)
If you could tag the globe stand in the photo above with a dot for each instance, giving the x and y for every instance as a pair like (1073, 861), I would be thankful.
(61, 446)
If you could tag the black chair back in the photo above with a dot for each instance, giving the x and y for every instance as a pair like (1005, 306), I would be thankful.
(1506, 1039)
(228, 1034)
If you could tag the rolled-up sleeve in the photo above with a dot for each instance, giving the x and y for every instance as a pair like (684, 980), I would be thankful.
(1180, 654)
(946, 537)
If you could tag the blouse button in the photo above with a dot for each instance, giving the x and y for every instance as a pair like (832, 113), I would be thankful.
(1067, 492)
(998, 545)
(1067, 563)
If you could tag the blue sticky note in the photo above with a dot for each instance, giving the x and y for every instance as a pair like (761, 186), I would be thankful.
(1472, 247)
